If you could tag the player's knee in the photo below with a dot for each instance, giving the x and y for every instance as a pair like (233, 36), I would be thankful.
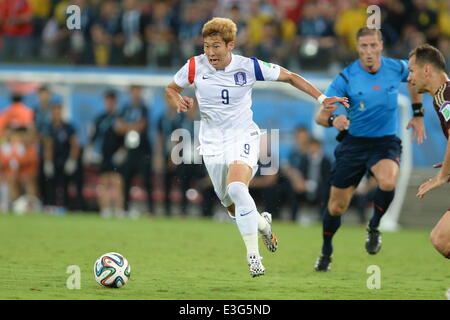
(337, 208)
(434, 236)
(441, 242)
(387, 184)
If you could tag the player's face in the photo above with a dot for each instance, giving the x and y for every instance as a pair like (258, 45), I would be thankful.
(217, 51)
(417, 77)
(369, 50)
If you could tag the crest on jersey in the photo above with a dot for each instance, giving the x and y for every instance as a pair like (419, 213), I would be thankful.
(240, 78)
(445, 110)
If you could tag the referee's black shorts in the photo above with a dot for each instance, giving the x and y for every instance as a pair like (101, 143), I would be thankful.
(356, 155)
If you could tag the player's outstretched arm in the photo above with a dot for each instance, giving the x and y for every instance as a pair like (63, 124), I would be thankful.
(176, 100)
(442, 177)
(307, 87)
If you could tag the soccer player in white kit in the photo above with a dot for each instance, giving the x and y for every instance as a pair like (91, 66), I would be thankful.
(229, 139)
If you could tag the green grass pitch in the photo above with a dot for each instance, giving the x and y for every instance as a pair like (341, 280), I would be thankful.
(174, 258)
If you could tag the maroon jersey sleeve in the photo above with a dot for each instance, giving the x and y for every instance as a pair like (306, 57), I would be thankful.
(442, 105)
(445, 107)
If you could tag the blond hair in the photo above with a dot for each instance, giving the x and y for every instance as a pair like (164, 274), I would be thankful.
(223, 27)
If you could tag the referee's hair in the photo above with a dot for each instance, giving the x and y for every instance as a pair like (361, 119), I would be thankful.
(369, 32)
(428, 54)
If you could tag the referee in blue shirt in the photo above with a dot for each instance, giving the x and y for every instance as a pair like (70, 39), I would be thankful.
(369, 136)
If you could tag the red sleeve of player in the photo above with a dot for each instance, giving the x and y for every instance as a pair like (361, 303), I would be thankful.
(191, 74)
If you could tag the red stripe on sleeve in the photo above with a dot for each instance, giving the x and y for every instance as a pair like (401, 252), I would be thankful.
(191, 74)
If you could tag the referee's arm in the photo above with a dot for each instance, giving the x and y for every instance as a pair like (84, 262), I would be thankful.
(325, 116)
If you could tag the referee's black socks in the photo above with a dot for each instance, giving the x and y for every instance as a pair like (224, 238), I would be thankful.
(381, 201)
(330, 225)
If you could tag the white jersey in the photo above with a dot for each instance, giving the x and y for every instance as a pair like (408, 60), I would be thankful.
(224, 97)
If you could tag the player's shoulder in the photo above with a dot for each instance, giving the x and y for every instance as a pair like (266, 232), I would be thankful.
(442, 96)
(196, 62)
(250, 62)
(199, 60)
(240, 58)
(244, 59)
(444, 92)
(242, 62)
(447, 89)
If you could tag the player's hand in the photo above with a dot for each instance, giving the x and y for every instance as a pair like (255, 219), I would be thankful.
(184, 104)
(431, 184)
(329, 103)
(341, 122)
(418, 129)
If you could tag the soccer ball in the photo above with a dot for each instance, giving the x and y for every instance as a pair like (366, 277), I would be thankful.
(112, 270)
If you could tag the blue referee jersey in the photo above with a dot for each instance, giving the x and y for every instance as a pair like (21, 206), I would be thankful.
(372, 97)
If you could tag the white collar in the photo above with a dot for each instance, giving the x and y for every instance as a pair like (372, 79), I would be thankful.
(230, 66)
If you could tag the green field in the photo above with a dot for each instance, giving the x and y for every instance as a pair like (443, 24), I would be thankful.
(174, 258)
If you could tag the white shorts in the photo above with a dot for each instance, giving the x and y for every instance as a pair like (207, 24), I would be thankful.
(246, 151)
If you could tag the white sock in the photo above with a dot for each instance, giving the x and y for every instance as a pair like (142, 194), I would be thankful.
(251, 243)
(263, 224)
(246, 214)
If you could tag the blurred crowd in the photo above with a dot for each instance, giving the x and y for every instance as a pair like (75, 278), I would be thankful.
(43, 166)
(299, 34)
